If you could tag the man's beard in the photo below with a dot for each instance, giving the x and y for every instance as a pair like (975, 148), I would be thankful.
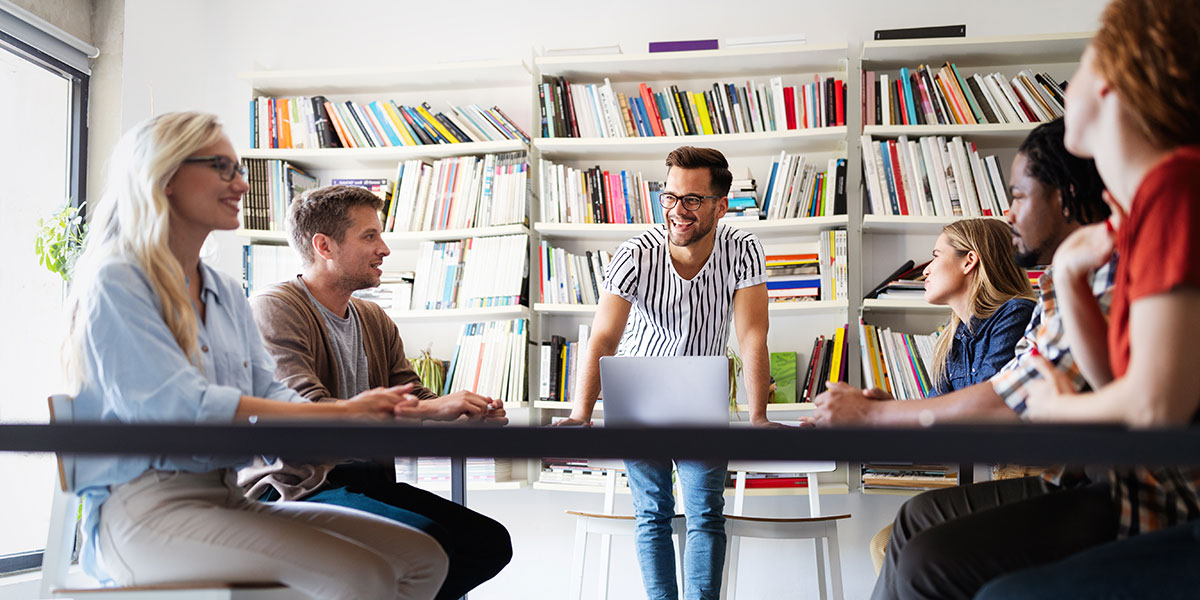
(1028, 259)
(694, 236)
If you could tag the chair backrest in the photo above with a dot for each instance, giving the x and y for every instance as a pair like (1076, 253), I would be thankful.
(60, 541)
(808, 468)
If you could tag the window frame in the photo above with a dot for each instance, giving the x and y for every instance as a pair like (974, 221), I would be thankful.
(77, 173)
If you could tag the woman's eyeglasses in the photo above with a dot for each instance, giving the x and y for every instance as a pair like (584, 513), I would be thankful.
(226, 167)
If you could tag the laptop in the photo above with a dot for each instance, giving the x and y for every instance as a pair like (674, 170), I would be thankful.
(687, 391)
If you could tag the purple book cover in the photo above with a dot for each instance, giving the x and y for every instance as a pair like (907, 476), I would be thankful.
(683, 45)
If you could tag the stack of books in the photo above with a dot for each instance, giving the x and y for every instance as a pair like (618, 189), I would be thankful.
(908, 476)
(571, 278)
(315, 122)
(436, 470)
(273, 186)
(489, 360)
(743, 198)
(597, 110)
(559, 360)
(793, 277)
(924, 96)
(905, 283)
(798, 187)
(471, 273)
(263, 265)
(576, 471)
(771, 480)
(459, 192)
(898, 363)
(393, 293)
(595, 195)
(932, 176)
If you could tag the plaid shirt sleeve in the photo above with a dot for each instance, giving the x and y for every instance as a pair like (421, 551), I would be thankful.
(1045, 332)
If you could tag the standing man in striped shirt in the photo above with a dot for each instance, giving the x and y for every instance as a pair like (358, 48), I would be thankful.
(672, 292)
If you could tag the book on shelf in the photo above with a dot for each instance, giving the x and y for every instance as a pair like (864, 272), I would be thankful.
(908, 476)
(769, 480)
(931, 95)
(911, 33)
(489, 360)
(263, 265)
(394, 292)
(798, 188)
(594, 195)
(273, 185)
(932, 176)
(806, 271)
(560, 360)
(428, 470)
(593, 110)
(898, 363)
(315, 122)
(905, 283)
(472, 273)
(568, 278)
(783, 374)
(577, 471)
(683, 45)
(459, 192)
(826, 363)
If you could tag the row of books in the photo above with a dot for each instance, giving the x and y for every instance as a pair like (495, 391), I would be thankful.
(459, 192)
(922, 96)
(489, 360)
(472, 273)
(428, 470)
(273, 185)
(908, 476)
(559, 361)
(577, 471)
(568, 278)
(896, 362)
(263, 265)
(596, 110)
(828, 361)
(932, 176)
(595, 195)
(798, 188)
(315, 122)
(743, 197)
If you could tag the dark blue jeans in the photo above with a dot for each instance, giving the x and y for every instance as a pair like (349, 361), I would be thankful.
(478, 546)
(1164, 565)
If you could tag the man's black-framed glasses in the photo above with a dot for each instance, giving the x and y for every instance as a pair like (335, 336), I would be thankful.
(226, 167)
(690, 201)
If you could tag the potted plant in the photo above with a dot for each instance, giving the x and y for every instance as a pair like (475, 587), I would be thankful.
(60, 240)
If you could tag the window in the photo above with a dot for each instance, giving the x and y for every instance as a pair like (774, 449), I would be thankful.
(42, 165)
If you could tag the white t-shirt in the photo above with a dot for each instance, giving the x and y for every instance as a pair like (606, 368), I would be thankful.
(673, 316)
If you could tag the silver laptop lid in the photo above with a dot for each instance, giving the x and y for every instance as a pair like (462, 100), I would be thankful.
(641, 391)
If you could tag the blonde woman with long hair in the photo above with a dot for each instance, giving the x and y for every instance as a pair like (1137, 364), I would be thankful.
(973, 272)
(156, 335)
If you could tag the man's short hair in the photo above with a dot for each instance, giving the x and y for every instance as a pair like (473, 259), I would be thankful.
(691, 157)
(324, 210)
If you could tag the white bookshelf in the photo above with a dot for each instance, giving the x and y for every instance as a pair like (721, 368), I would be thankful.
(985, 135)
(459, 315)
(908, 224)
(731, 144)
(385, 79)
(973, 52)
(701, 64)
(914, 306)
(385, 158)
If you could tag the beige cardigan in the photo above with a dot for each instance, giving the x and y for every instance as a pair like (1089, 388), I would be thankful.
(294, 334)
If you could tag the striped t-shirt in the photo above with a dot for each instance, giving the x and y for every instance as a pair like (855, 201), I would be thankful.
(673, 316)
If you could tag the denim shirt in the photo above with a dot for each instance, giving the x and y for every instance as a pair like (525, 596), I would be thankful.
(980, 350)
(135, 372)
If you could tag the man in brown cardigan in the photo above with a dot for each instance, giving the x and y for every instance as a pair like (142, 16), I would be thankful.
(327, 344)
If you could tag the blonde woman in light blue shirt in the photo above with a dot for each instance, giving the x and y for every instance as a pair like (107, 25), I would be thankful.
(156, 335)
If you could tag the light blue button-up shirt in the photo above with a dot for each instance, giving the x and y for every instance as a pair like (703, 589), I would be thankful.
(137, 373)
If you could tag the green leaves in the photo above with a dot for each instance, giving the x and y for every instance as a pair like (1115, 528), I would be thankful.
(60, 240)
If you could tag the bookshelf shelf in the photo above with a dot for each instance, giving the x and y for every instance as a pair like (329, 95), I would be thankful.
(902, 305)
(341, 158)
(435, 76)
(989, 134)
(774, 308)
(759, 61)
(826, 489)
(615, 232)
(494, 313)
(475, 486)
(978, 51)
(891, 492)
(403, 238)
(907, 224)
(731, 144)
(555, 405)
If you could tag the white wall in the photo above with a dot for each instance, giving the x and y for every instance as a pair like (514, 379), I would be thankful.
(182, 54)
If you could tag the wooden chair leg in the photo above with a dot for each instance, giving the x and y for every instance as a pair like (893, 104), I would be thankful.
(577, 561)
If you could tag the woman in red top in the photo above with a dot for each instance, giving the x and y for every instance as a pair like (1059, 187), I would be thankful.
(1132, 107)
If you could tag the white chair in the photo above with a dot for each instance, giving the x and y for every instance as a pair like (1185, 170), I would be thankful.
(608, 524)
(822, 529)
(59, 580)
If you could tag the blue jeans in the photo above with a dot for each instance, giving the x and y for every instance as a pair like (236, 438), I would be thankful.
(703, 485)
